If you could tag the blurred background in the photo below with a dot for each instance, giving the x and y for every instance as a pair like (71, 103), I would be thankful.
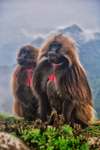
(31, 21)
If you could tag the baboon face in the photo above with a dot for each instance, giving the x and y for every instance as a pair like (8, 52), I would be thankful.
(60, 50)
(26, 56)
(56, 55)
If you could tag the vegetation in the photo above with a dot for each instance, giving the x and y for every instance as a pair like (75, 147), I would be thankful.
(41, 136)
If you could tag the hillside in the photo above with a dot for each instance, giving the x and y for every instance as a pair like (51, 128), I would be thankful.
(42, 136)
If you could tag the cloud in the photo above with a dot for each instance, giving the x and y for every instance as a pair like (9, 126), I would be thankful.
(88, 35)
(27, 33)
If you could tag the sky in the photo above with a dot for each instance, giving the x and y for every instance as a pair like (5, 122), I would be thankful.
(41, 15)
(22, 19)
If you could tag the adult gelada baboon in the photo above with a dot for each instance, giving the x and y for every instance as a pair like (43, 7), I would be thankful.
(60, 82)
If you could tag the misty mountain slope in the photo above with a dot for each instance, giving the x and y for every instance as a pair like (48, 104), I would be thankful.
(88, 44)
(5, 92)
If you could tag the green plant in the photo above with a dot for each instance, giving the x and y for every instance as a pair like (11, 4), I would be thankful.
(54, 139)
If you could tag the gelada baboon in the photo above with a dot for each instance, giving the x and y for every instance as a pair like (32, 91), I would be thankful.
(24, 103)
(60, 82)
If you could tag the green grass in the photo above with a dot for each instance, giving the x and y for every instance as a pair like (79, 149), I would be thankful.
(93, 130)
(8, 117)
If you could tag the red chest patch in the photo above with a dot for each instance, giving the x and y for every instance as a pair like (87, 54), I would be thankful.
(52, 77)
(29, 77)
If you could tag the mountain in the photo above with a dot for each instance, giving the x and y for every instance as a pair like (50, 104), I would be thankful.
(88, 43)
(72, 29)
(38, 40)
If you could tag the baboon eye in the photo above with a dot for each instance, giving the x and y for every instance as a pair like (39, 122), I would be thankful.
(55, 46)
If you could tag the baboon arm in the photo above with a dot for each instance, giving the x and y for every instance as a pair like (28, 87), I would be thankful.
(19, 91)
(17, 108)
(68, 107)
(23, 94)
(44, 107)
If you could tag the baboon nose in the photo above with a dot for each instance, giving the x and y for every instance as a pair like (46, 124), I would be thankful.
(52, 54)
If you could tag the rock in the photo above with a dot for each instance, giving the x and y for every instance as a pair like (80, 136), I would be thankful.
(10, 142)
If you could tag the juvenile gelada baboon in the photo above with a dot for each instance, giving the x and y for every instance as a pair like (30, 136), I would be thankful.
(24, 103)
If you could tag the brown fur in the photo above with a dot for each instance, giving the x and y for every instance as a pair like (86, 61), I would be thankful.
(70, 95)
(24, 103)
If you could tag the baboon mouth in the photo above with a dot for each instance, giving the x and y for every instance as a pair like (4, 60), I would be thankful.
(20, 61)
(57, 65)
(58, 61)
(25, 62)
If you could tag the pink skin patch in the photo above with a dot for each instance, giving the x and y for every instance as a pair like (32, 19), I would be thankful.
(29, 77)
(52, 77)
